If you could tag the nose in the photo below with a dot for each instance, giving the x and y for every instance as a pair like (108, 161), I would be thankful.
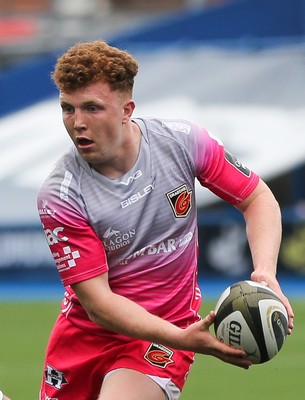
(79, 121)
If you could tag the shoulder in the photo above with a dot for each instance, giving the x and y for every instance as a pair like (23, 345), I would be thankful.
(165, 126)
(61, 188)
(66, 168)
(177, 130)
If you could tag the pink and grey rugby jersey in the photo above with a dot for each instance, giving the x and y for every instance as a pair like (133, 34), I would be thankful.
(141, 227)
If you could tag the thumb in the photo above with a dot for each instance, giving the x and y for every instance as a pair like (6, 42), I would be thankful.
(209, 320)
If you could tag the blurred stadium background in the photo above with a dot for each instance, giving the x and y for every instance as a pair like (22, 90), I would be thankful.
(235, 67)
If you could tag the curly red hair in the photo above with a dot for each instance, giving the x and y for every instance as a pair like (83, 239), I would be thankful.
(90, 62)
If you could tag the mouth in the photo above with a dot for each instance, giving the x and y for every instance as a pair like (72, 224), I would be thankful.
(83, 142)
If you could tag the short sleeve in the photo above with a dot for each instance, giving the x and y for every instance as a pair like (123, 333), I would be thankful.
(76, 249)
(220, 171)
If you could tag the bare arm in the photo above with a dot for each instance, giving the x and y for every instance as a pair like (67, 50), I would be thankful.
(264, 231)
(119, 314)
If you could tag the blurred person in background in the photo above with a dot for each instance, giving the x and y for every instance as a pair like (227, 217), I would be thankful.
(119, 214)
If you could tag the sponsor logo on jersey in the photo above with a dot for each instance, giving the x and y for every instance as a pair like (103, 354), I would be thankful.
(132, 178)
(186, 239)
(44, 210)
(115, 240)
(158, 355)
(67, 260)
(237, 164)
(65, 185)
(166, 246)
(54, 377)
(138, 196)
(55, 235)
(177, 126)
(180, 201)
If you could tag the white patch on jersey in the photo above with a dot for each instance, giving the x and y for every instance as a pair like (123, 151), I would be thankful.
(74, 255)
(178, 127)
(197, 293)
(215, 138)
(64, 188)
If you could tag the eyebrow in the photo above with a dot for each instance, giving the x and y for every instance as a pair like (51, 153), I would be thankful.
(86, 103)
(64, 103)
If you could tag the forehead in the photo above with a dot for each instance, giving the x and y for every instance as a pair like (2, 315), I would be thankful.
(94, 92)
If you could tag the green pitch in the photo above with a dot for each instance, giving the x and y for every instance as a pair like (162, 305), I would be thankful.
(25, 328)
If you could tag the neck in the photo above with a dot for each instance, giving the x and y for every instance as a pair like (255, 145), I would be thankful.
(126, 157)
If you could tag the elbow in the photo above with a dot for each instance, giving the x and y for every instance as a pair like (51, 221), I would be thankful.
(94, 315)
(99, 317)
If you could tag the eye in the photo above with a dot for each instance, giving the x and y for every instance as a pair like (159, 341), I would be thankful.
(67, 109)
(92, 107)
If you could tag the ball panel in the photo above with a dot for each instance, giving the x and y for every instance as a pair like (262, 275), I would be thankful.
(275, 325)
(251, 316)
(234, 331)
(221, 301)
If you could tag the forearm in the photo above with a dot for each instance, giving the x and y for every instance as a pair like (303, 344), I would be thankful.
(119, 314)
(264, 229)
(127, 317)
(264, 232)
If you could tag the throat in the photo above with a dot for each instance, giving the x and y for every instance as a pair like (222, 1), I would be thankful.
(126, 157)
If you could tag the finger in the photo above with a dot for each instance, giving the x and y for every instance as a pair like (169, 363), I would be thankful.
(274, 285)
(233, 356)
(290, 313)
(208, 320)
(290, 322)
(240, 362)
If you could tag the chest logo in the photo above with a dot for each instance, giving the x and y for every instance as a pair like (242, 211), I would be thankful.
(180, 201)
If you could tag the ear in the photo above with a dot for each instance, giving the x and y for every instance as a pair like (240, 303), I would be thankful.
(128, 108)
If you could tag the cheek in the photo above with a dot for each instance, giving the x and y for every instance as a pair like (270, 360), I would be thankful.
(68, 123)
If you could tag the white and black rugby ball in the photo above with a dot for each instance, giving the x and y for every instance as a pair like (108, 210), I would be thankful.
(250, 316)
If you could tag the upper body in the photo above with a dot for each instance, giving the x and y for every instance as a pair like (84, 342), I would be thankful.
(121, 214)
(140, 228)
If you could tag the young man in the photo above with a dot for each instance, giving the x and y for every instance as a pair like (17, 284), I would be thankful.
(119, 214)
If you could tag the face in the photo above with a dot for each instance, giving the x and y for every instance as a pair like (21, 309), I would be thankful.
(96, 118)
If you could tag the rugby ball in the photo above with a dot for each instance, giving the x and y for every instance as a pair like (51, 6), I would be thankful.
(250, 316)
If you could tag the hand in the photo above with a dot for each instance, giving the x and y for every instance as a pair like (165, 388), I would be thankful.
(3, 396)
(271, 282)
(202, 341)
